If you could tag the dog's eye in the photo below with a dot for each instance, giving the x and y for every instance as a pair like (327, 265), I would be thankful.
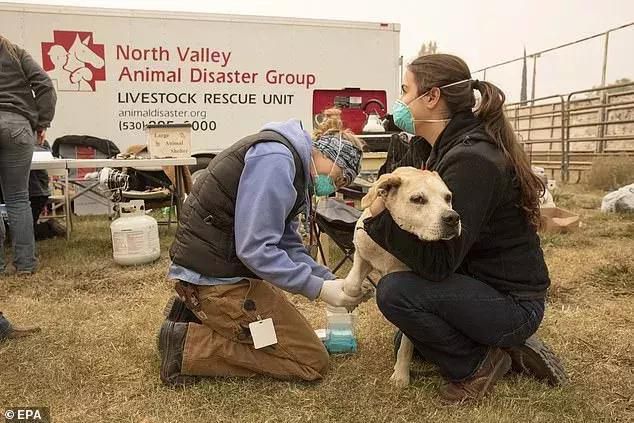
(448, 198)
(418, 199)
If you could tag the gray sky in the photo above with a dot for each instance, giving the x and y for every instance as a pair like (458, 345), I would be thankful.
(482, 32)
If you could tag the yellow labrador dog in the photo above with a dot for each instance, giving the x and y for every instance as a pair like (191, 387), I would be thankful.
(420, 203)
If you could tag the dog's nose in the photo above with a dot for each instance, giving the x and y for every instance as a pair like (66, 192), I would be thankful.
(450, 218)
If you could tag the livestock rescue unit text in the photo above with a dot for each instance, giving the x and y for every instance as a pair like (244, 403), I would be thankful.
(203, 64)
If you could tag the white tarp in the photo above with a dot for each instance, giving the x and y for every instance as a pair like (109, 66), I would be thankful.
(619, 201)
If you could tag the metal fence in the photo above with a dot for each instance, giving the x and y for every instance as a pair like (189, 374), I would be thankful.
(565, 134)
(581, 57)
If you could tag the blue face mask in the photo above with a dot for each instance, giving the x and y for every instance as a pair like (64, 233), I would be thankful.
(402, 114)
(403, 117)
(324, 185)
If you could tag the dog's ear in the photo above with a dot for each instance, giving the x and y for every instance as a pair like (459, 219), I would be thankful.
(381, 188)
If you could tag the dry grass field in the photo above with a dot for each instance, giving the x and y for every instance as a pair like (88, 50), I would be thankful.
(95, 359)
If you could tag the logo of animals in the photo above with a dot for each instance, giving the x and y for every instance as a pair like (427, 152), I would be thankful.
(73, 61)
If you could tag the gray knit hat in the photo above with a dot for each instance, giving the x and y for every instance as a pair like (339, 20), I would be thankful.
(348, 159)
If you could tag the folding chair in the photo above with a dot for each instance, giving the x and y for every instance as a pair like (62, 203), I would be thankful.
(337, 220)
(59, 180)
(85, 147)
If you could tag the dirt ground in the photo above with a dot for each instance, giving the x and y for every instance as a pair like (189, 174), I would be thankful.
(96, 361)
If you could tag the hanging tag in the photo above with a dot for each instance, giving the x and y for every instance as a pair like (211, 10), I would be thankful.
(263, 333)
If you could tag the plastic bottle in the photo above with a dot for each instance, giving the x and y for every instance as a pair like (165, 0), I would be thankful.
(340, 330)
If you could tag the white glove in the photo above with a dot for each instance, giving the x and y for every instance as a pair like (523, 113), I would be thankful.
(332, 293)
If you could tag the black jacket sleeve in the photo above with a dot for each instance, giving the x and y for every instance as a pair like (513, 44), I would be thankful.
(42, 86)
(474, 181)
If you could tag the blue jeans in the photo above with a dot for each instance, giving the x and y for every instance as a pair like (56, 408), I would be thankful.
(16, 152)
(454, 322)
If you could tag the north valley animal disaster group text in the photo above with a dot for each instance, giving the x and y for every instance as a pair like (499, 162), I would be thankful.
(200, 74)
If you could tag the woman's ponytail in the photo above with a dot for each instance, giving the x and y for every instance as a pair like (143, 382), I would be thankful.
(332, 124)
(491, 111)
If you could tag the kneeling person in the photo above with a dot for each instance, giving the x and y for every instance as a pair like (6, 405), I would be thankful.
(237, 248)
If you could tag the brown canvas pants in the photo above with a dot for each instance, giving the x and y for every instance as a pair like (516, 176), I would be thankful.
(222, 344)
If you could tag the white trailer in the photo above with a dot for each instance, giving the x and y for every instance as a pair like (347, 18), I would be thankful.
(117, 71)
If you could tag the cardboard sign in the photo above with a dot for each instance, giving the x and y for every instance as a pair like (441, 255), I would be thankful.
(167, 141)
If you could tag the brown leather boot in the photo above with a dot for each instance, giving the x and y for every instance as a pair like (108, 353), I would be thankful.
(171, 343)
(536, 359)
(8, 331)
(22, 332)
(495, 365)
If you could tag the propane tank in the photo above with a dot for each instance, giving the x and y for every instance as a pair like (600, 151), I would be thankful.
(135, 237)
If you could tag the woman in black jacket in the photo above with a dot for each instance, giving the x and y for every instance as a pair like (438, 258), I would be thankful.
(471, 303)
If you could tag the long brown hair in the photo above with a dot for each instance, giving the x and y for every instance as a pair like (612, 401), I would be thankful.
(436, 70)
(10, 48)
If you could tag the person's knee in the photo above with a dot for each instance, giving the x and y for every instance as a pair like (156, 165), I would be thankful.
(322, 363)
(314, 367)
(389, 293)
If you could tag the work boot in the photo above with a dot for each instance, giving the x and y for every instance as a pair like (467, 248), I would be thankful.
(8, 331)
(57, 229)
(171, 344)
(536, 359)
(495, 365)
(176, 311)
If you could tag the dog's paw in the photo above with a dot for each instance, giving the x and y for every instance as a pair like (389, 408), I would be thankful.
(400, 379)
(351, 289)
(367, 288)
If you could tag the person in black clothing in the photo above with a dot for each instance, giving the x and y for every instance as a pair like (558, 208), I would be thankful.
(472, 304)
(39, 194)
(405, 151)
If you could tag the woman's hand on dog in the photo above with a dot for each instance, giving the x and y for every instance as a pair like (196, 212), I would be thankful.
(377, 206)
(332, 294)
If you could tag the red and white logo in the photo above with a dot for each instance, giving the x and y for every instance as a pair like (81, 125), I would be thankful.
(73, 61)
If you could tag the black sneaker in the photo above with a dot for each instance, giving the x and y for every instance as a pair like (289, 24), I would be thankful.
(171, 343)
(536, 359)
